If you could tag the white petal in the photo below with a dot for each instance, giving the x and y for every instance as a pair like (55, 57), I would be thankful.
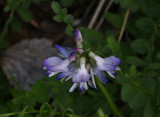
(68, 78)
(118, 68)
(61, 67)
(52, 74)
(111, 74)
(93, 80)
(61, 55)
(81, 85)
(73, 87)
(62, 80)
(91, 54)
(44, 68)
(90, 83)
(85, 85)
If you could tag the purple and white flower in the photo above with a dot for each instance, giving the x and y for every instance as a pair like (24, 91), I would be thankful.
(80, 66)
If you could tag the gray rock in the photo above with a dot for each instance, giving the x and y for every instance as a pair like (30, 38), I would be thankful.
(22, 63)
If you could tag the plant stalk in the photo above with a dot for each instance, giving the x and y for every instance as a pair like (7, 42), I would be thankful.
(108, 97)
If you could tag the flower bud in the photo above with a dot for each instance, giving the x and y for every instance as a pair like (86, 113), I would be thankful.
(78, 37)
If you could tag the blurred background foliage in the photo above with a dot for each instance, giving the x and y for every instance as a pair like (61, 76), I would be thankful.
(136, 89)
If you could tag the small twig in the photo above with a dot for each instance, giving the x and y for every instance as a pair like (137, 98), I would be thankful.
(88, 9)
(96, 13)
(105, 11)
(124, 24)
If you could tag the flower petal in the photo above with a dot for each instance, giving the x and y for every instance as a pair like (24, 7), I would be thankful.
(72, 67)
(111, 74)
(90, 83)
(102, 64)
(112, 60)
(50, 74)
(83, 85)
(81, 76)
(72, 56)
(79, 50)
(65, 51)
(105, 67)
(73, 87)
(63, 75)
(52, 61)
(118, 69)
(92, 75)
(61, 67)
(78, 36)
(101, 75)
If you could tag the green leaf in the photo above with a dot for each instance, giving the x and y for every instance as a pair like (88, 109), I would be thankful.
(3, 109)
(134, 5)
(92, 39)
(132, 70)
(154, 66)
(36, 1)
(114, 46)
(56, 7)
(24, 14)
(125, 48)
(64, 12)
(158, 55)
(67, 111)
(16, 24)
(148, 84)
(7, 8)
(66, 3)
(140, 45)
(151, 7)
(114, 19)
(137, 113)
(40, 92)
(133, 60)
(157, 92)
(125, 3)
(69, 19)
(46, 110)
(152, 74)
(145, 24)
(148, 110)
(133, 95)
(69, 30)
(4, 42)
(100, 113)
(26, 3)
(58, 18)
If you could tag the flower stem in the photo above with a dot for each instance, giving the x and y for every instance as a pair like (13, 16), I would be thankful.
(109, 99)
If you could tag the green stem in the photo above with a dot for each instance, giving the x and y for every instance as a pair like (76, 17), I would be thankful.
(15, 113)
(7, 23)
(109, 99)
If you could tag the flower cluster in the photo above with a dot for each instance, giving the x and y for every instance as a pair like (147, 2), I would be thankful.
(80, 66)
